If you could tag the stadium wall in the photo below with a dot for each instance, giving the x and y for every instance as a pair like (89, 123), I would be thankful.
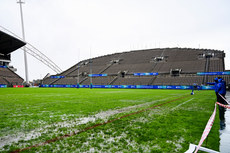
(130, 87)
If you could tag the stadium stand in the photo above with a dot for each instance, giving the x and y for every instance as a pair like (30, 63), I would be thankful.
(8, 44)
(175, 66)
(2, 81)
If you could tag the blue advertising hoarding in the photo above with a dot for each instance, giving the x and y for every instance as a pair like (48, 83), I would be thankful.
(3, 86)
(57, 77)
(145, 74)
(213, 73)
(132, 87)
(97, 75)
(207, 87)
(3, 66)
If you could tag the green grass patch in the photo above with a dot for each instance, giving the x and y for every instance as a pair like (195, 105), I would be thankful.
(33, 115)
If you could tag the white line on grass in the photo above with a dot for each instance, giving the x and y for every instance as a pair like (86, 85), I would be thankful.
(182, 104)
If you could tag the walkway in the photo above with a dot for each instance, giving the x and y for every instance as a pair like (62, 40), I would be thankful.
(225, 134)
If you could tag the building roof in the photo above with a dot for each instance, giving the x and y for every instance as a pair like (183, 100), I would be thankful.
(9, 43)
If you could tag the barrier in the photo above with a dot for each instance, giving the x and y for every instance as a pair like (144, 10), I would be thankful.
(119, 86)
(18, 86)
(224, 99)
(143, 74)
(129, 87)
(97, 75)
(58, 86)
(213, 73)
(3, 86)
(206, 87)
(3, 66)
(207, 129)
(225, 106)
(57, 77)
(210, 124)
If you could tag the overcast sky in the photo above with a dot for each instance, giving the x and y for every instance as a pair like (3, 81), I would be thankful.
(66, 30)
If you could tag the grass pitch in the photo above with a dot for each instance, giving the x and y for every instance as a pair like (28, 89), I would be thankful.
(31, 116)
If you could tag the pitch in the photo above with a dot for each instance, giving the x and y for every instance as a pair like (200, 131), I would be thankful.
(104, 120)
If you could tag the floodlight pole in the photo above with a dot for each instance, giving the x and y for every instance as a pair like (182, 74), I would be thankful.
(23, 36)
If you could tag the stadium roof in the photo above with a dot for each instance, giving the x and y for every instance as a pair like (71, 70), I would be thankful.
(9, 43)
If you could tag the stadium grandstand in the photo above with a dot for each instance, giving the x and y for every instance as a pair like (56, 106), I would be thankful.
(8, 44)
(160, 66)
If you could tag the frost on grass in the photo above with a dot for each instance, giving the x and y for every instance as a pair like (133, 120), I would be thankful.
(96, 142)
(142, 120)
(177, 143)
(127, 139)
(113, 142)
(132, 101)
(70, 124)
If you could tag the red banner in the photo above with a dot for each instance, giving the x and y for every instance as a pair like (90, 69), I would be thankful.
(18, 86)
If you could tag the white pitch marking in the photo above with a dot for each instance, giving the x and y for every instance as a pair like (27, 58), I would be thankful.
(182, 104)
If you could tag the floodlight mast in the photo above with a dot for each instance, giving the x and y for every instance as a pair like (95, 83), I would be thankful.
(23, 37)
